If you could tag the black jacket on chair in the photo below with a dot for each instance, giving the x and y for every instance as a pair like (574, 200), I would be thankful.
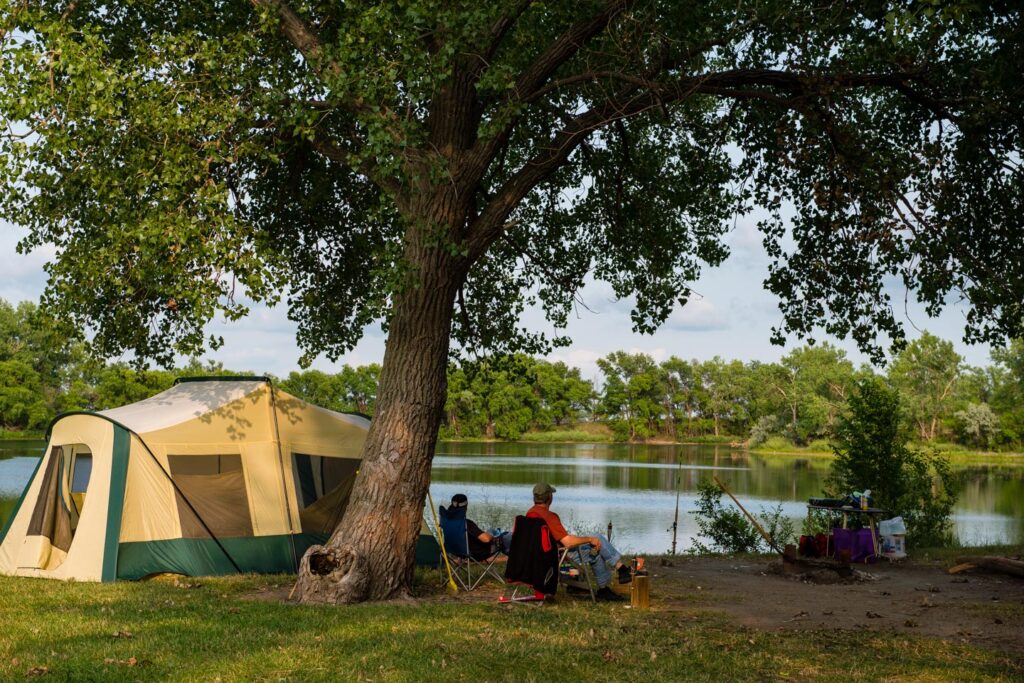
(533, 556)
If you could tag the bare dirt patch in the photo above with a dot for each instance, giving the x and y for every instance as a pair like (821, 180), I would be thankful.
(985, 610)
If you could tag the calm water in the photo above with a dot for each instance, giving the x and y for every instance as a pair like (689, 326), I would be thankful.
(634, 487)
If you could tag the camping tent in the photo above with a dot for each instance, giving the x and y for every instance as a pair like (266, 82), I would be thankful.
(212, 476)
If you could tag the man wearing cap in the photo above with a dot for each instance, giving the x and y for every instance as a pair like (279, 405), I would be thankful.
(607, 555)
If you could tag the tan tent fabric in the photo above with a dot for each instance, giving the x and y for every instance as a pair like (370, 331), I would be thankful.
(84, 558)
(204, 456)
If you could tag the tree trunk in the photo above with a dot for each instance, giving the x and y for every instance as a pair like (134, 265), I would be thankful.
(370, 555)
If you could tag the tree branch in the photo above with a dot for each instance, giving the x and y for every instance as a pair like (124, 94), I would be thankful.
(565, 47)
(299, 33)
(502, 27)
(761, 84)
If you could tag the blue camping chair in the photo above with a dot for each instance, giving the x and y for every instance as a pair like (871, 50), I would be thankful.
(455, 541)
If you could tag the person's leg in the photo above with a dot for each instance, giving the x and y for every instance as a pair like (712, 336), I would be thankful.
(602, 575)
(608, 552)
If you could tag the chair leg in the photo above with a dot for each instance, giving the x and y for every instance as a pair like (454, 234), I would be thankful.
(575, 558)
(486, 567)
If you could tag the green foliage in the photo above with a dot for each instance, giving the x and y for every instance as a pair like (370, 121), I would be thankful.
(180, 155)
(926, 374)
(977, 424)
(352, 390)
(727, 530)
(634, 390)
(21, 401)
(516, 397)
(872, 453)
(504, 397)
(765, 426)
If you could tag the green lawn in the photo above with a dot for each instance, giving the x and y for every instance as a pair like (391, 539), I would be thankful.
(216, 631)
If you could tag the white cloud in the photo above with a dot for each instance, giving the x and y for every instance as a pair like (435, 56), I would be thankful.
(658, 353)
(584, 359)
(698, 315)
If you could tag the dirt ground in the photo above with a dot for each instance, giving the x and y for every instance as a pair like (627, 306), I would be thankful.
(983, 609)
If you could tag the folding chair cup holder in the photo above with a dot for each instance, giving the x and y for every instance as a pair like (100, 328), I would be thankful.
(467, 570)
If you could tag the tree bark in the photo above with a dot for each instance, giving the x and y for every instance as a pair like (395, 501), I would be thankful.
(370, 555)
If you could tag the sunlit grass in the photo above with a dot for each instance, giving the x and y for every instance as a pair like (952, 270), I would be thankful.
(570, 435)
(162, 631)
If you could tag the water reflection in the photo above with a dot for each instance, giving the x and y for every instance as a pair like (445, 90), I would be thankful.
(635, 486)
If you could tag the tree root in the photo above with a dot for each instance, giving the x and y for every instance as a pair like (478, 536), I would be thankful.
(333, 576)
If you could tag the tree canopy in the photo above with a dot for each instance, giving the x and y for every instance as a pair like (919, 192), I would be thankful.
(180, 155)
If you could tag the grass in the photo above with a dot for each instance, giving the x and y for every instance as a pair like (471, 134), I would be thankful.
(948, 554)
(26, 435)
(568, 435)
(159, 630)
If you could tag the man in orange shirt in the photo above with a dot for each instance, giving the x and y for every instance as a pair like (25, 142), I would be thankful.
(597, 549)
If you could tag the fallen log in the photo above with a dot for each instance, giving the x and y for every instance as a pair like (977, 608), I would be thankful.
(992, 563)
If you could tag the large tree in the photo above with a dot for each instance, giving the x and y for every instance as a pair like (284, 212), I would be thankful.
(438, 166)
(926, 373)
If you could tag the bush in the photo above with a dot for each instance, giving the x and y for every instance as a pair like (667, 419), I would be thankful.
(765, 426)
(872, 453)
(727, 530)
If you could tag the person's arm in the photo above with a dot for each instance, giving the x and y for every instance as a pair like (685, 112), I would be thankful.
(477, 532)
(570, 541)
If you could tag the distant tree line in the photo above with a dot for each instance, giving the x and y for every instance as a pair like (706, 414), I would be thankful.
(800, 398)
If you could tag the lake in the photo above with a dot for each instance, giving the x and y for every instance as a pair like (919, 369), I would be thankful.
(635, 487)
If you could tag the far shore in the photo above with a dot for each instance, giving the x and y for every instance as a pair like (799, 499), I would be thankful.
(956, 454)
(775, 447)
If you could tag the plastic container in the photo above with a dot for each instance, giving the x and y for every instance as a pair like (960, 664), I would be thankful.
(894, 547)
(893, 533)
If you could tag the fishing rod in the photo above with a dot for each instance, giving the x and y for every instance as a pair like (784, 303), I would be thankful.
(675, 520)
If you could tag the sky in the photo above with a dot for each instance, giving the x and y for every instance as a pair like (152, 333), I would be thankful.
(730, 315)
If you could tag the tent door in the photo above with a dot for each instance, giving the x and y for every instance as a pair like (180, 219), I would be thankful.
(50, 528)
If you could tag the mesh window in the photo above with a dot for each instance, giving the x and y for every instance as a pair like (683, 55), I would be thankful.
(322, 488)
(81, 473)
(211, 494)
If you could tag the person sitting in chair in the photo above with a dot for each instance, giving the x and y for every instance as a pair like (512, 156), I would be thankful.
(482, 544)
(602, 553)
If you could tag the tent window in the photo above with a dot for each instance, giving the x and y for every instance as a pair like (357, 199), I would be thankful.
(81, 473)
(211, 494)
(322, 488)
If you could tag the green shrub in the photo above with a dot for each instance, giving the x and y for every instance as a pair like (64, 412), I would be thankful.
(727, 530)
(765, 426)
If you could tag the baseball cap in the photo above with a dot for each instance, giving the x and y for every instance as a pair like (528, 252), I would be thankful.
(459, 500)
(543, 489)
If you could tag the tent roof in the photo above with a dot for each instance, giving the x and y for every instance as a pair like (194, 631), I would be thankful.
(180, 403)
(192, 399)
